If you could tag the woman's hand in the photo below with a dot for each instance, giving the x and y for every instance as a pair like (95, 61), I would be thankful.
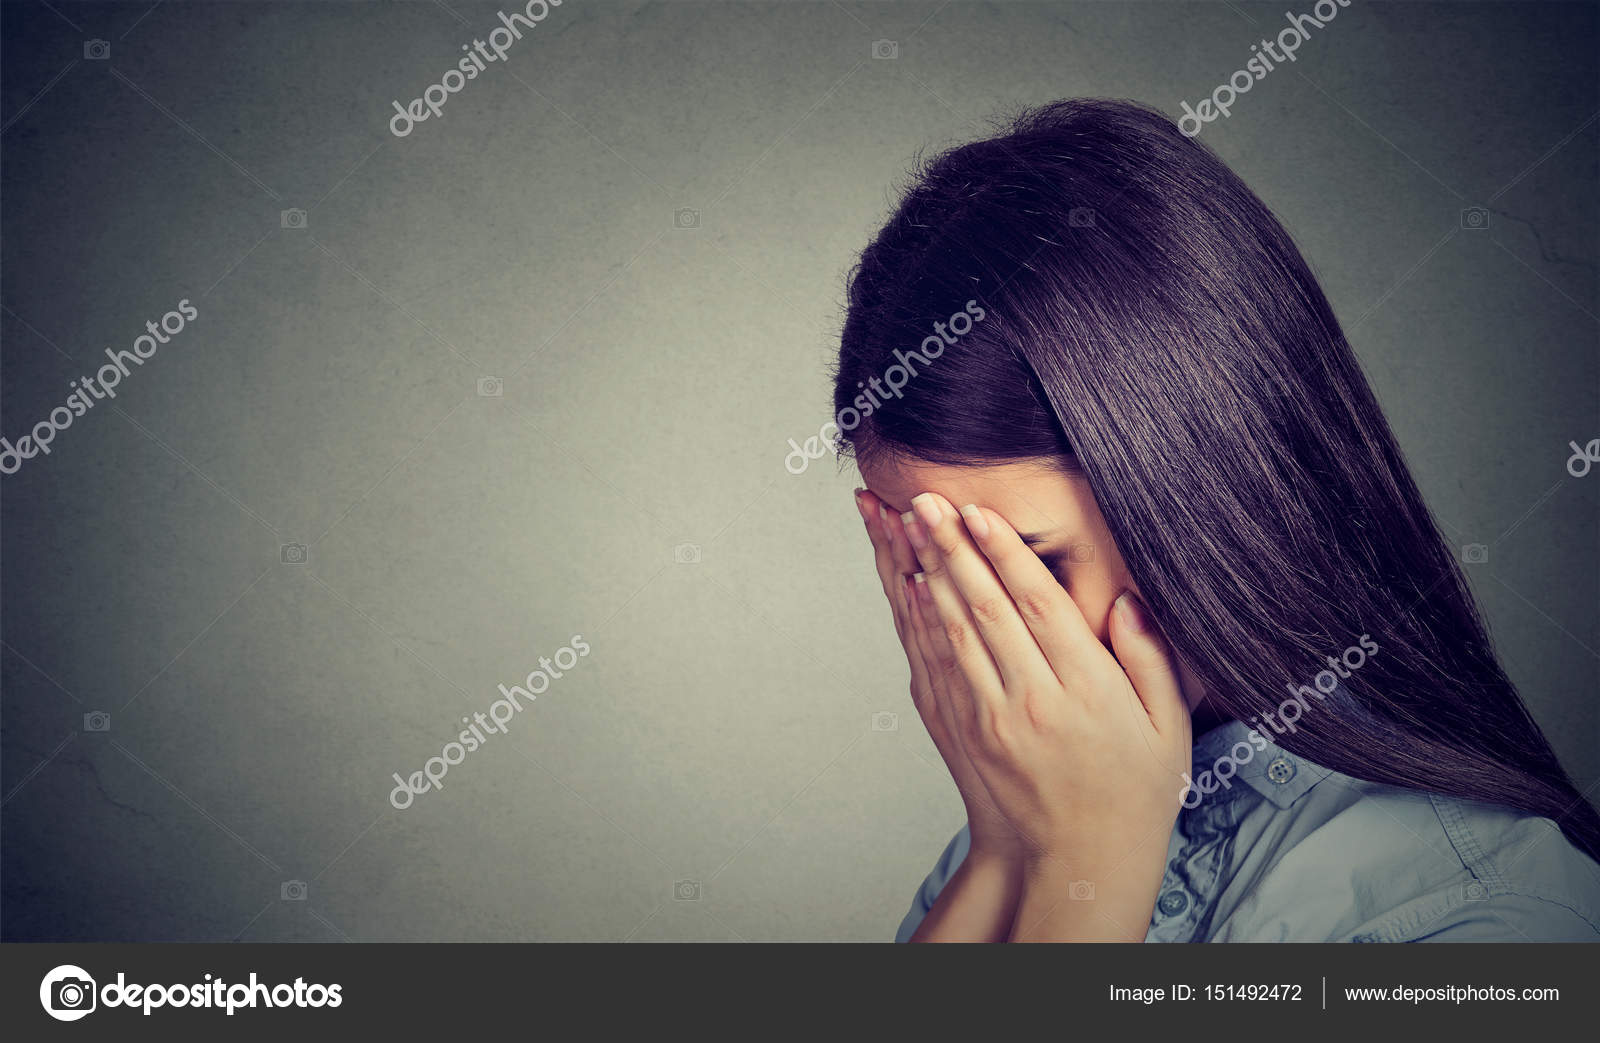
(993, 838)
(1082, 751)
(979, 902)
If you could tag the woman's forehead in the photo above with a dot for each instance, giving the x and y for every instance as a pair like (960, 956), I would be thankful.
(1031, 496)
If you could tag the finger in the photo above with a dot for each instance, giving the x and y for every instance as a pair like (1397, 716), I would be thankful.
(952, 616)
(874, 516)
(1012, 646)
(925, 683)
(901, 552)
(1042, 604)
(951, 691)
(948, 694)
(901, 564)
(889, 551)
(1148, 661)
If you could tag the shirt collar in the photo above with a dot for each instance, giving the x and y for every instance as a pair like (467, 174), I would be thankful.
(1257, 762)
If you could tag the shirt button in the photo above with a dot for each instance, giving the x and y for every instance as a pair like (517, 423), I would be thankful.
(1173, 902)
(1281, 770)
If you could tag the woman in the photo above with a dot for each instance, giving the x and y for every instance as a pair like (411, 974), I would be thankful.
(1127, 486)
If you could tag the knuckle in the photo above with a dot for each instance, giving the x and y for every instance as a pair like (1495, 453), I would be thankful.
(1077, 683)
(946, 539)
(960, 634)
(1036, 606)
(990, 610)
(994, 729)
(1036, 707)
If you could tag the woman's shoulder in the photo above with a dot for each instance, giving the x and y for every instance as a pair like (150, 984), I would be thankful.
(1416, 866)
(1520, 878)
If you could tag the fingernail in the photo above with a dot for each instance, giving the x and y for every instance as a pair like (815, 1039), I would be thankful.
(1132, 613)
(861, 507)
(926, 509)
(923, 593)
(914, 530)
(976, 523)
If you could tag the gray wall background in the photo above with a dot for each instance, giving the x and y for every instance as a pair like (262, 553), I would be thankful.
(720, 731)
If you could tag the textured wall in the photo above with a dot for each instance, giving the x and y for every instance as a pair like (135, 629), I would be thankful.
(636, 230)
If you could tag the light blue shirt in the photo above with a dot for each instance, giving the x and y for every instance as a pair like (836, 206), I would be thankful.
(1291, 851)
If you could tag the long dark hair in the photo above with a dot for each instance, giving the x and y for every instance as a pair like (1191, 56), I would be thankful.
(1148, 321)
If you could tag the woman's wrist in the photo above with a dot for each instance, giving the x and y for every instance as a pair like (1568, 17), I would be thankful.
(1003, 865)
(1062, 903)
(1000, 845)
(977, 903)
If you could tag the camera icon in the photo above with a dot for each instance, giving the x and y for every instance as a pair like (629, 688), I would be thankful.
(1475, 891)
(686, 554)
(96, 50)
(73, 994)
(1081, 890)
(885, 50)
(1475, 218)
(97, 721)
(293, 554)
(294, 217)
(1474, 554)
(686, 217)
(1080, 217)
(885, 721)
(491, 387)
(1080, 553)
(293, 891)
(67, 993)
(686, 891)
